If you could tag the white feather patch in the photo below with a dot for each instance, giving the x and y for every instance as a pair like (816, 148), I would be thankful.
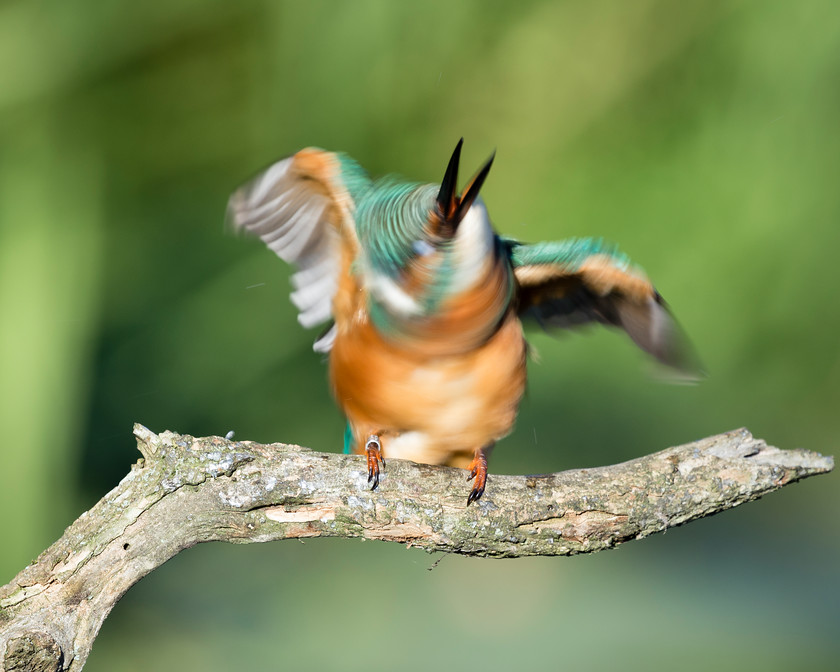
(388, 292)
(408, 446)
(474, 243)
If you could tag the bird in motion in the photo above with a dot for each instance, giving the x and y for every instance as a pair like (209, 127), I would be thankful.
(425, 302)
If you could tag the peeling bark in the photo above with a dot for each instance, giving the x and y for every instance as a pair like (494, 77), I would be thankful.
(189, 490)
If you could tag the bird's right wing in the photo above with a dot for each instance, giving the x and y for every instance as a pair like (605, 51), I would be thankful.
(568, 283)
(302, 208)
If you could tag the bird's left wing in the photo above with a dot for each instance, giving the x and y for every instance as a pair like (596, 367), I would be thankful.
(303, 207)
(571, 282)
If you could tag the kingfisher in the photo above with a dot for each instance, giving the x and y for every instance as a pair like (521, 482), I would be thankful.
(424, 302)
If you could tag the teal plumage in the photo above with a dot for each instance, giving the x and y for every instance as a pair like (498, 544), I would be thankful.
(426, 350)
(569, 253)
(354, 178)
(390, 219)
(348, 439)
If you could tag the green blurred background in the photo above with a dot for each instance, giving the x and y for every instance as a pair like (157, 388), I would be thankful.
(704, 137)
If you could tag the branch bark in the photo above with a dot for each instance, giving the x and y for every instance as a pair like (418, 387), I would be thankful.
(189, 490)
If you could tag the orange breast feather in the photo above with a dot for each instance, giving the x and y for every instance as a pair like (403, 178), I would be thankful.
(427, 406)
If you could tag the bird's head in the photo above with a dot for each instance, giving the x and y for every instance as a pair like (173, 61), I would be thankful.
(424, 245)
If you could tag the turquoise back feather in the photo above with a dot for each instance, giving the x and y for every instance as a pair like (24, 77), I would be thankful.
(390, 219)
(569, 253)
(392, 226)
(354, 177)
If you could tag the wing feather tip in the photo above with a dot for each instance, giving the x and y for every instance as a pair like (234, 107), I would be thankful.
(667, 342)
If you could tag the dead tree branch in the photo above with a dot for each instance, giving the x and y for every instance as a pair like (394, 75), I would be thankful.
(187, 490)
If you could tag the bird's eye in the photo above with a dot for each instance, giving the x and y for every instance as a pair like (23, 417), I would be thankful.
(422, 248)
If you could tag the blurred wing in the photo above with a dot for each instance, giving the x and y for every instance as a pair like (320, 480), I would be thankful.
(568, 283)
(302, 207)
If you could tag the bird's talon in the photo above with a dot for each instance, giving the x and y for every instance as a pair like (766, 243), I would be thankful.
(475, 495)
(373, 450)
(478, 471)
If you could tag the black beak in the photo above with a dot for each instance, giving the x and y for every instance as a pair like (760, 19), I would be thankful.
(447, 196)
(452, 207)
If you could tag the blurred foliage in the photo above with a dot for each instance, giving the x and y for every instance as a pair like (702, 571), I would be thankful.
(702, 137)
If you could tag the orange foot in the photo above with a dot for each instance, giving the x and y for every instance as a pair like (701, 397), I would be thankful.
(373, 450)
(478, 471)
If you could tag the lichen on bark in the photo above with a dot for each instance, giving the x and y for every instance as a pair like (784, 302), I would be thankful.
(188, 490)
